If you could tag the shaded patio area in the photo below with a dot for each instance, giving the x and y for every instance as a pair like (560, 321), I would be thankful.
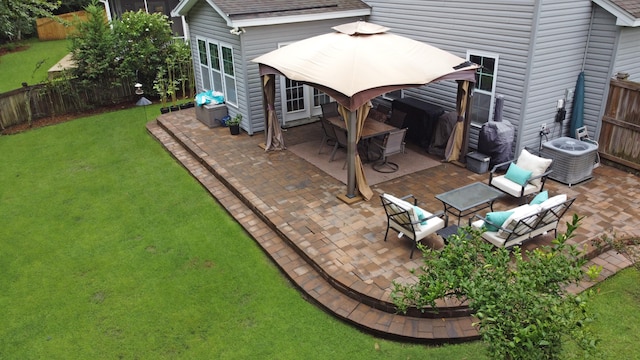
(335, 253)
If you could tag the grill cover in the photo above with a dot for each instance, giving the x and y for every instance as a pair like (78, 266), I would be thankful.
(496, 140)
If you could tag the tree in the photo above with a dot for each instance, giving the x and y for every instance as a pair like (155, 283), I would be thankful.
(92, 47)
(17, 17)
(520, 299)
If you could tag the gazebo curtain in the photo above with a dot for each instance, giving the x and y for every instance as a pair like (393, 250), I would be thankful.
(456, 143)
(361, 116)
(274, 138)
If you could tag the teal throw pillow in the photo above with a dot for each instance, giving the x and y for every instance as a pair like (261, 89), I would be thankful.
(540, 198)
(420, 215)
(497, 218)
(518, 175)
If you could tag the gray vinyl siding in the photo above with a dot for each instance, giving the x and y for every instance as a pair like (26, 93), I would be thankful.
(556, 60)
(598, 67)
(261, 40)
(204, 22)
(628, 53)
(499, 27)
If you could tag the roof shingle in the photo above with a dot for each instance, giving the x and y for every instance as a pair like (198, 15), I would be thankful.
(252, 9)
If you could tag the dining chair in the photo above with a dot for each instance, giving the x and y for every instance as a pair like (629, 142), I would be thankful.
(393, 144)
(397, 118)
(329, 136)
(341, 141)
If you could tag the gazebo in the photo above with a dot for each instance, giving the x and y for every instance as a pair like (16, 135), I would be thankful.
(353, 65)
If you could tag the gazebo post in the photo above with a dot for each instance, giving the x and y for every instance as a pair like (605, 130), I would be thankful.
(351, 154)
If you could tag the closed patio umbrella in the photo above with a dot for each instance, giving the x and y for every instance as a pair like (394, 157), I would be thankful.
(577, 109)
(358, 62)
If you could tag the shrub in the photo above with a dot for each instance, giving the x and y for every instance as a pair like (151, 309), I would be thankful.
(520, 299)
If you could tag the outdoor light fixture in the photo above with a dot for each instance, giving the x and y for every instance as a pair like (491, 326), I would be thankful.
(139, 90)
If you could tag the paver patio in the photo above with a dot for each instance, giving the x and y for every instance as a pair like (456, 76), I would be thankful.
(334, 252)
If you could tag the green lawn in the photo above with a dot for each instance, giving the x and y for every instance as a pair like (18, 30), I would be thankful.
(110, 249)
(30, 66)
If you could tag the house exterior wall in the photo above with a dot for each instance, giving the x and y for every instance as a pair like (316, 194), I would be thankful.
(541, 46)
(205, 23)
(261, 40)
(557, 54)
(627, 56)
(503, 28)
(598, 67)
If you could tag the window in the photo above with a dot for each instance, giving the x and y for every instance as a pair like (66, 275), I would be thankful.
(484, 92)
(217, 69)
(320, 98)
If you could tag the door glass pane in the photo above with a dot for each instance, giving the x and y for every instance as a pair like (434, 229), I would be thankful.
(481, 107)
(227, 60)
(320, 98)
(215, 57)
(202, 50)
(295, 95)
(230, 84)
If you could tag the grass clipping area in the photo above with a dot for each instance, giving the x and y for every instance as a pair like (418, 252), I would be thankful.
(110, 249)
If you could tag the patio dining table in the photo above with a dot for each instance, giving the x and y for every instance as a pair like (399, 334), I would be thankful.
(371, 128)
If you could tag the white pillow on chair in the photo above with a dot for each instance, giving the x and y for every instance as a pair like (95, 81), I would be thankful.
(533, 163)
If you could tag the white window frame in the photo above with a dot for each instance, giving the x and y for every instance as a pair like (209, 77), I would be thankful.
(228, 82)
(491, 93)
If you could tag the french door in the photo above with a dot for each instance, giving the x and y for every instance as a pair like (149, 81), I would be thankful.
(300, 101)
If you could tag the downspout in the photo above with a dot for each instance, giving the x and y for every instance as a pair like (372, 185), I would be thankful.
(586, 46)
(107, 9)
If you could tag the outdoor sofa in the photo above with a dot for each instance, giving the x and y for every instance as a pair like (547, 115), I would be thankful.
(518, 225)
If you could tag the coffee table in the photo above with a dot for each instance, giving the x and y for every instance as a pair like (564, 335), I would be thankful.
(469, 199)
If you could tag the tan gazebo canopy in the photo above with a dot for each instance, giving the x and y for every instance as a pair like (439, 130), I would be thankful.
(353, 65)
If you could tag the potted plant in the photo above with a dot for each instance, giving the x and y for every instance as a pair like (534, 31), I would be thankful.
(234, 124)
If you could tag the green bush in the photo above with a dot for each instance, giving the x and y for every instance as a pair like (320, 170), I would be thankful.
(142, 44)
(520, 299)
(134, 48)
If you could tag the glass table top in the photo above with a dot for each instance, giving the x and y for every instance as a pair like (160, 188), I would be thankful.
(469, 196)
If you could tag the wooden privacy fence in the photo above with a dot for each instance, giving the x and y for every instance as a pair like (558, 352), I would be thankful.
(50, 29)
(60, 97)
(620, 132)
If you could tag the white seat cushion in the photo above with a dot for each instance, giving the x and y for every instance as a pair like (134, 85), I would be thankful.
(519, 213)
(405, 205)
(533, 163)
(511, 188)
(421, 230)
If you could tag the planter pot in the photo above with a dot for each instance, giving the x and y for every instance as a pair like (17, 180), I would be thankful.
(174, 108)
(164, 110)
(186, 105)
(234, 129)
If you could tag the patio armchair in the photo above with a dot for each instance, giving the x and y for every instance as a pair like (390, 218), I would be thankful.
(409, 220)
(524, 177)
(392, 144)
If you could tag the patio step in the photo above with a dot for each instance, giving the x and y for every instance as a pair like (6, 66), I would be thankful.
(315, 286)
